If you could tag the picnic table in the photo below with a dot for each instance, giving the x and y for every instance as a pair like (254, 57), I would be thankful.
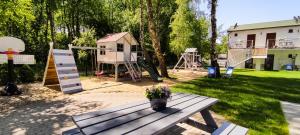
(139, 118)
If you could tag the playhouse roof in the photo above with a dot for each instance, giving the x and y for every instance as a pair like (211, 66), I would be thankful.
(117, 36)
(188, 50)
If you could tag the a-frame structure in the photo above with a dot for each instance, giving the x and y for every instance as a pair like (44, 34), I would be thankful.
(190, 59)
(61, 69)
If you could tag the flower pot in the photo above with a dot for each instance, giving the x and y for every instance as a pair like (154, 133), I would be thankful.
(158, 104)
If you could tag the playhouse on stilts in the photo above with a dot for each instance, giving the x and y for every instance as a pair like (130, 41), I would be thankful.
(121, 51)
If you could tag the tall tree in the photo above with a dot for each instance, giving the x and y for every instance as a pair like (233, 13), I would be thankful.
(213, 53)
(155, 40)
(188, 30)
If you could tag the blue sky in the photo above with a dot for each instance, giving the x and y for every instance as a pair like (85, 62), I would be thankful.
(230, 12)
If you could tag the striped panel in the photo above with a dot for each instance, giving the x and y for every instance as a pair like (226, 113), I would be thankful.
(67, 72)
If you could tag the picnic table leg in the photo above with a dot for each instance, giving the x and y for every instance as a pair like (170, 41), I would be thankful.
(209, 120)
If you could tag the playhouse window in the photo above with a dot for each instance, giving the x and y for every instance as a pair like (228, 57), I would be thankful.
(291, 30)
(102, 50)
(235, 34)
(133, 48)
(120, 47)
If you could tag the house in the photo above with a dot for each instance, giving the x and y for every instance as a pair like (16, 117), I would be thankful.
(119, 49)
(265, 46)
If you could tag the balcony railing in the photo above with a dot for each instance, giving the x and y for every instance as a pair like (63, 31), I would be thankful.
(286, 43)
(241, 44)
(283, 43)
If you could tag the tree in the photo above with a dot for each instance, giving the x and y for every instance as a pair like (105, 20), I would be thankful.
(213, 54)
(188, 30)
(152, 28)
(223, 46)
(87, 39)
(142, 37)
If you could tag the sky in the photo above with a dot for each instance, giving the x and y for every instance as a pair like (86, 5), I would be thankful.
(230, 12)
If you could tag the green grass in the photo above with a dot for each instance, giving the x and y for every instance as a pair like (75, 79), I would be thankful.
(250, 98)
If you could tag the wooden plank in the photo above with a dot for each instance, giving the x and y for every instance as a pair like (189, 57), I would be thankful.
(152, 125)
(74, 131)
(238, 130)
(126, 112)
(58, 65)
(119, 108)
(172, 107)
(225, 129)
(71, 91)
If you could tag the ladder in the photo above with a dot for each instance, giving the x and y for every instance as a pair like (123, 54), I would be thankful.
(134, 70)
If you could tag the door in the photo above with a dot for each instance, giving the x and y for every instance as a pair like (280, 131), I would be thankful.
(251, 40)
(269, 62)
(271, 40)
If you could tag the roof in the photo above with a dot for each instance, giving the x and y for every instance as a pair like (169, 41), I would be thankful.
(264, 25)
(112, 37)
(191, 50)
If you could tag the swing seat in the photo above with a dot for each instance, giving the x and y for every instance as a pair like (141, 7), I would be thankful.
(99, 74)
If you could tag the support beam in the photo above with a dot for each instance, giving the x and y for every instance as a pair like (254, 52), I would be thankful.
(209, 120)
(116, 72)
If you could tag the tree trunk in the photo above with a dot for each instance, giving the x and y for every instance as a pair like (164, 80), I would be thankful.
(145, 52)
(213, 54)
(50, 4)
(155, 40)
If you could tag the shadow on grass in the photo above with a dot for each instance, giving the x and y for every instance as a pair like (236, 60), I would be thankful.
(250, 101)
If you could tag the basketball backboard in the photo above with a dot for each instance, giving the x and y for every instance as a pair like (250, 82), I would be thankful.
(17, 45)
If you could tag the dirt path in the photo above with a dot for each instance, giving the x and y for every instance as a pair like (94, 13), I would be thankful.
(43, 110)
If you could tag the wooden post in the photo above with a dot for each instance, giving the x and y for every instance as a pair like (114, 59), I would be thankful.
(116, 72)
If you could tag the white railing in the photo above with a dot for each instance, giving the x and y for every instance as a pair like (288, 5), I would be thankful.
(241, 44)
(286, 43)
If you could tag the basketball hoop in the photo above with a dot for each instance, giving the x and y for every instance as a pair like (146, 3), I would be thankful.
(11, 46)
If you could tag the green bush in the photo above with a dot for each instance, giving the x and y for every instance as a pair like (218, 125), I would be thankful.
(4, 74)
(26, 74)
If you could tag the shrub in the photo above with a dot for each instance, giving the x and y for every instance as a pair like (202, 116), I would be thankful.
(26, 74)
(4, 74)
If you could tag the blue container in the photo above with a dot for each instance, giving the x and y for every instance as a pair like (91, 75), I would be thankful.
(289, 67)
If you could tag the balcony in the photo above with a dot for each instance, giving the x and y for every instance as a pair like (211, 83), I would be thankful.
(283, 43)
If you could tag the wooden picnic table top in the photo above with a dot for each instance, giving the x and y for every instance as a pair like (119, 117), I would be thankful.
(139, 118)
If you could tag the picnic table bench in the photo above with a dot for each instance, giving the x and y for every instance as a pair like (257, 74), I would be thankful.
(139, 118)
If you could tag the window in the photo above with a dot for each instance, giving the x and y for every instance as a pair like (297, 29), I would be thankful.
(120, 47)
(133, 48)
(291, 30)
(102, 50)
(235, 34)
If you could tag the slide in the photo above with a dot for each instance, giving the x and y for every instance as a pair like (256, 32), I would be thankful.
(151, 72)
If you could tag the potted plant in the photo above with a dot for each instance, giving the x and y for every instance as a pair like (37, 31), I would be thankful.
(158, 96)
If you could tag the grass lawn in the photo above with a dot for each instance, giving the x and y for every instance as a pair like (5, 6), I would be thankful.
(250, 98)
